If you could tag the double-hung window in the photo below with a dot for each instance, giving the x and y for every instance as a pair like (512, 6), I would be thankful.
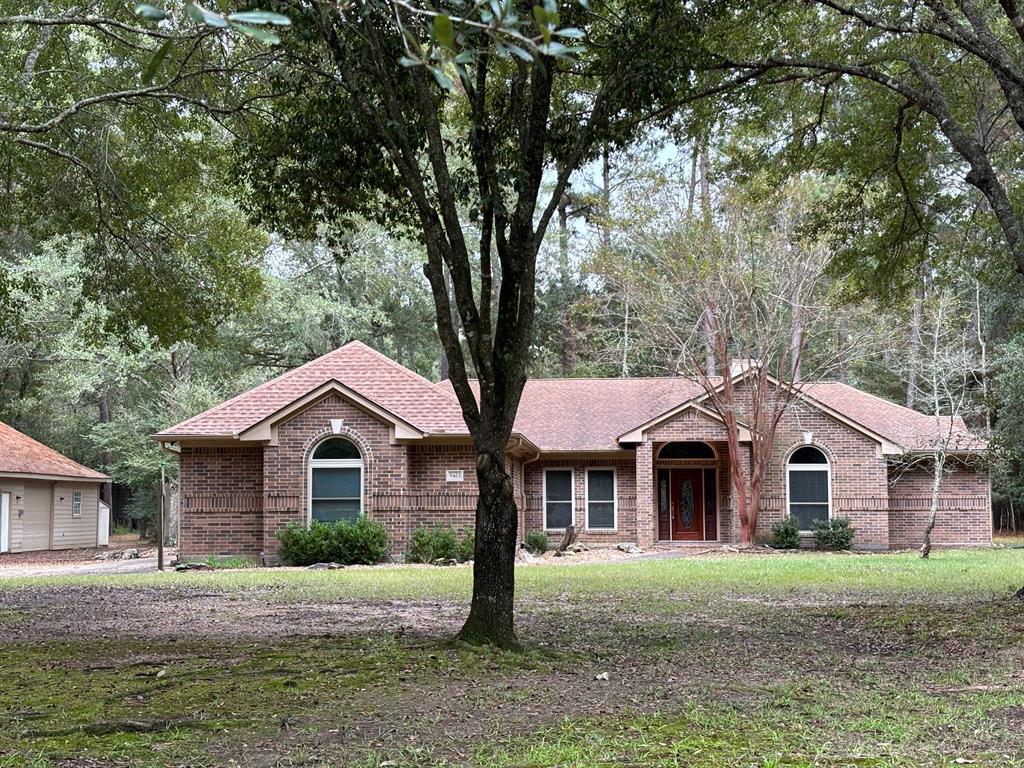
(336, 482)
(601, 499)
(808, 485)
(558, 499)
(76, 503)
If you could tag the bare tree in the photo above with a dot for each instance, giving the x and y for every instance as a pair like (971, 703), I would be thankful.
(947, 374)
(750, 289)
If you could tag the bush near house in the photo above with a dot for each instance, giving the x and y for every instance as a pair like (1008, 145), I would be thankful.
(536, 542)
(439, 543)
(834, 534)
(785, 534)
(363, 542)
(466, 549)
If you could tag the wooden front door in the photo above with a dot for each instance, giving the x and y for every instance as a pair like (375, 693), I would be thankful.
(687, 503)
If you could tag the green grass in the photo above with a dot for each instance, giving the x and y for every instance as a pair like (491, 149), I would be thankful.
(781, 660)
(983, 572)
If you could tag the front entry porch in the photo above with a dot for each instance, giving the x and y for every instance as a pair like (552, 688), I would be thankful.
(686, 493)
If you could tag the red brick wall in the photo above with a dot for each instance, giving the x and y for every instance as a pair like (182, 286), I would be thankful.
(858, 472)
(285, 468)
(433, 500)
(964, 517)
(221, 501)
(625, 480)
(860, 488)
(692, 425)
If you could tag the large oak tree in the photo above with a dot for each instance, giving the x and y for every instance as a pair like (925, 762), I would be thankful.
(464, 124)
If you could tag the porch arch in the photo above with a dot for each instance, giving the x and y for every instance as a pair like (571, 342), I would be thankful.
(693, 450)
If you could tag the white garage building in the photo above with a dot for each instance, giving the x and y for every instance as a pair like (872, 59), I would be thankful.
(47, 501)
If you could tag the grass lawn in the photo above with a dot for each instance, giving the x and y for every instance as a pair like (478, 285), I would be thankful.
(725, 660)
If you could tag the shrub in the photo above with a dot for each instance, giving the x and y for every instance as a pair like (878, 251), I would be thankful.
(233, 561)
(363, 542)
(834, 534)
(786, 534)
(465, 550)
(430, 544)
(536, 542)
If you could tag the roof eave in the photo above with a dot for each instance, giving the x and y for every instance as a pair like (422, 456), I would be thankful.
(99, 477)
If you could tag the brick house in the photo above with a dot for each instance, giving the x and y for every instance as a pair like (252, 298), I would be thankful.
(641, 460)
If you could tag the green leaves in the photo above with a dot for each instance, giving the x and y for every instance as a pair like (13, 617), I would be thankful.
(261, 17)
(197, 13)
(248, 23)
(154, 63)
(444, 32)
(150, 12)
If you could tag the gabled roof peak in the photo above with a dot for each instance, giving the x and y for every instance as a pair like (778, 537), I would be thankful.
(22, 455)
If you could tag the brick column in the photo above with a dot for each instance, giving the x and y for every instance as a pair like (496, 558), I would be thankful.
(645, 494)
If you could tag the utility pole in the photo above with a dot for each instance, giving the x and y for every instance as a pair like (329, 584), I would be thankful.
(160, 525)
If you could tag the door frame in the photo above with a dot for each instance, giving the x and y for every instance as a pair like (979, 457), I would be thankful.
(5, 521)
(674, 500)
(702, 464)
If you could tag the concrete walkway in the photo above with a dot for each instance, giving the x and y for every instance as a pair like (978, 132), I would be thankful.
(78, 562)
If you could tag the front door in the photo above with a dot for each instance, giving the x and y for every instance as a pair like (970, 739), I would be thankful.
(687, 504)
(5, 522)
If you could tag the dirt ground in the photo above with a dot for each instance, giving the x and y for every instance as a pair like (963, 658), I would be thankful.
(644, 662)
(83, 561)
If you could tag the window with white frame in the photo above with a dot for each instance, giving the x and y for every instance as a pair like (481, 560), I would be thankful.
(558, 499)
(336, 482)
(76, 503)
(601, 499)
(808, 486)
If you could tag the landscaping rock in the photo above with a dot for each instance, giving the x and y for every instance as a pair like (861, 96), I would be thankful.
(445, 561)
(629, 548)
(564, 553)
(324, 567)
(119, 554)
(193, 567)
(524, 556)
(579, 547)
(601, 676)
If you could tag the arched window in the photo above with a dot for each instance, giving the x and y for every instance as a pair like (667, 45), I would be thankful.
(688, 450)
(808, 486)
(336, 482)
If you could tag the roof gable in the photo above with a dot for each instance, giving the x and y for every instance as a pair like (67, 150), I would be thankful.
(266, 429)
(556, 415)
(21, 455)
(376, 378)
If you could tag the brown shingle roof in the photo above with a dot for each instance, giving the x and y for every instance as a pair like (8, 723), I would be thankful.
(590, 414)
(907, 428)
(372, 375)
(554, 414)
(21, 455)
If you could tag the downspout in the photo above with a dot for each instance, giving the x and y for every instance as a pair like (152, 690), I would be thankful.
(523, 467)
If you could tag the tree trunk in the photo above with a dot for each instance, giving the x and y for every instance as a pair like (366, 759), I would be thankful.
(105, 458)
(933, 509)
(705, 183)
(606, 196)
(490, 618)
(692, 187)
(915, 344)
(625, 340)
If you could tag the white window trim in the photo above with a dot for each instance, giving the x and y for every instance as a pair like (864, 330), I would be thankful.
(615, 499)
(334, 464)
(76, 499)
(544, 495)
(813, 467)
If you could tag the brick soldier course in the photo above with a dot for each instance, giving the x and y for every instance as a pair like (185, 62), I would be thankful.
(245, 464)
